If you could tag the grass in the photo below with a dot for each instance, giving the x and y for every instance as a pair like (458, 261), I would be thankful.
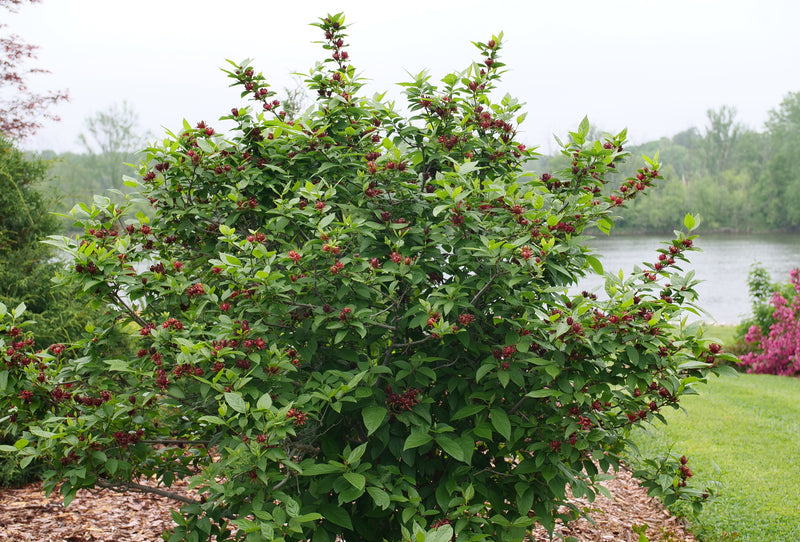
(743, 432)
(725, 333)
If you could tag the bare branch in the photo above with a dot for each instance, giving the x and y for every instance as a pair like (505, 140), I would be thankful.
(121, 488)
(486, 287)
(128, 310)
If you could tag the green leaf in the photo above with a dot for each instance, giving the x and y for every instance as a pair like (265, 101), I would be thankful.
(16, 313)
(689, 222)
(467, 411)
(450, 79)
(316, 469)
(326, 220)
(264, 402)
(118, 365)
(466, 167)
(442, 534)
(692, 364)
(633, 354)
(39, 432)
(552, 370)
(266, 531)
(204, 145)
(69, 495)
(541, 393)
(596, 265)
(604, 225)
(216, 420)
(231, 260)
(416, 439)
(407, 514)
(482, 370)
(503, 377)
(111, 466)
(469, 492)
(305, 518)
(3, 380)
(500, 422)
(337, 515)
(355, 455)
(129, 181)
(236, 401)
(467, 446)
(584, 126)
(356, 480)
(524, 501)
(380, 497)
(451, 447)
(373, 418)
(440, 208)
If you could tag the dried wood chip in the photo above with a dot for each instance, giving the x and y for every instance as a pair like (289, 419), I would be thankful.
(106, 516)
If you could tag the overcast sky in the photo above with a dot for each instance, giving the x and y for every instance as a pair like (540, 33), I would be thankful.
(653, 66)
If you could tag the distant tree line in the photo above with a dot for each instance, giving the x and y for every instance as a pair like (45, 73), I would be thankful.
(112, 146)
(733, 177)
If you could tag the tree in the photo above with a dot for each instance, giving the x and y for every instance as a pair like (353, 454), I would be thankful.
(785, 119)
(113, 138)
(21, 110)
(28, 265)
(779, 185)
(294, 100)
(114, 131)
(720, 138)
(356, 323)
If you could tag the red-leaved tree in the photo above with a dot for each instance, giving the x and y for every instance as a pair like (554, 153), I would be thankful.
(21, 109)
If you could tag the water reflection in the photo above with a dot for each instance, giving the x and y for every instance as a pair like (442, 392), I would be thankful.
(722, 265)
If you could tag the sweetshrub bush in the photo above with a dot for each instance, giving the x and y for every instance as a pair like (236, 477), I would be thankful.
(356, 323)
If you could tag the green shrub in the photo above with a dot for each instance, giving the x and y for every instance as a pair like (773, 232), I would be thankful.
(761, 288)
(28, 264)
(356, 323)
(28, 267)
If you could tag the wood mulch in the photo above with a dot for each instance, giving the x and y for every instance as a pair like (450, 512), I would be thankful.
(106, 516)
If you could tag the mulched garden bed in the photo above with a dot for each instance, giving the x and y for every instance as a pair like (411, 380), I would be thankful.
(106, 516)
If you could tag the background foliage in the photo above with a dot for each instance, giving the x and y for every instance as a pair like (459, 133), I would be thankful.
(28, 265)
(736, 178)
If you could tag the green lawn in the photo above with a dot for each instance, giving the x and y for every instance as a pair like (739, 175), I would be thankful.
(726, 333)
(745, 433)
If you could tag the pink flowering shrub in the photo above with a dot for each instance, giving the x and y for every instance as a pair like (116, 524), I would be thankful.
(778, 352)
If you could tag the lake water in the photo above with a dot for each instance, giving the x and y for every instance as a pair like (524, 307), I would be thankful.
(722, 265)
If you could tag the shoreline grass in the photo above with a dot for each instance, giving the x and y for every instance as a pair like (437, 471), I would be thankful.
(744, 433)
